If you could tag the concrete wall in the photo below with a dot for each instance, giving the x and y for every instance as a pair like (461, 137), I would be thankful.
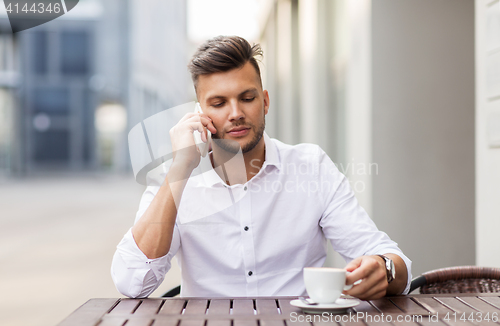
(423, 128)
(487, 132)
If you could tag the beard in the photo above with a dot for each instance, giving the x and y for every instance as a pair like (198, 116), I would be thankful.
(233, 146)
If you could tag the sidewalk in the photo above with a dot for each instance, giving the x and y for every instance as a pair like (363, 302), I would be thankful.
(57, 238)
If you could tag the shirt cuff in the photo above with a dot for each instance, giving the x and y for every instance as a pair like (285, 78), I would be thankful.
(134, 258)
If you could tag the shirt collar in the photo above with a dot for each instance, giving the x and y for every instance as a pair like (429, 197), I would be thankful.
(210, 177)
(272, 153)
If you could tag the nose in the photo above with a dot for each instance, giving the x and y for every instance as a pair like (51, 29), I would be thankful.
(236, 112)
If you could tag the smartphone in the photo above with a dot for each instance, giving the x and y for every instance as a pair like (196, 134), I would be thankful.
(202, 147)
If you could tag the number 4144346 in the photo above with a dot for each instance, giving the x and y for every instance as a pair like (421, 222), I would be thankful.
(36, 8)
(472, 317)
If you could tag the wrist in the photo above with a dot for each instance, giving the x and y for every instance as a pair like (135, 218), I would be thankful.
(179, 171)
(389, 268)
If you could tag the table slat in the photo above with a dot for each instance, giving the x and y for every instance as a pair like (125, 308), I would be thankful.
(266, 307)
(138, 322)
(89, 313)
(117, 321)
(366, 307)
(286, 308)
(402, 323)
(479, 304)
(322, 323)
(217, 322)
(432, 305)
(219, 307)
(453, 322)
(297, 323)
(492, 300)
(409, 306)
(371, 320)
(427, 321)
(192, 322)
(196, 307)
(353, 323)
(244, 322)
(266, 322)
(386, 306)
(243, 307)
(172, 307)
(456, 305)
(164, 322)
(148, 307)
(125, 306)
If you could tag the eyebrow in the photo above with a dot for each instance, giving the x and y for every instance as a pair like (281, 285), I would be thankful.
(252, 90)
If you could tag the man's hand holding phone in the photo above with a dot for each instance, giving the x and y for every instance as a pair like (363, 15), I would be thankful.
(185, 151)
(153, 232)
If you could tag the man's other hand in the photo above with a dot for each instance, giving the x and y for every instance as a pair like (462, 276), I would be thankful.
(373, 275)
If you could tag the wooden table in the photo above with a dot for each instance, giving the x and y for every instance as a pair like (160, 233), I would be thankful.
(420, 309)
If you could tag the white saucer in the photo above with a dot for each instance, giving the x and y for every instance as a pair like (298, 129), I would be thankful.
(340, 306)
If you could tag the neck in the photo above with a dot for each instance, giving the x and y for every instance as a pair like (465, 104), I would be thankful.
(232, 171)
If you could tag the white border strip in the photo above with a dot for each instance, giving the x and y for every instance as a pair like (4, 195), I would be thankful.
(64, 6)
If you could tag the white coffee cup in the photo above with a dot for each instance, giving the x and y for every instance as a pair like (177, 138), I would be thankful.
(325, 284)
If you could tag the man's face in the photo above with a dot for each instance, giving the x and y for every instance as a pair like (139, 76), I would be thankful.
(237, 105)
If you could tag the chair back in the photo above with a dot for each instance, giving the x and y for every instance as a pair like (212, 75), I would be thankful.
(461, 279)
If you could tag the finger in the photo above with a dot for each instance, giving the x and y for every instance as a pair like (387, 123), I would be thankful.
(197, 126)
(367, 288)
(358, 274)
(353, 264)
(195, 122)
(188, 116)
(203, 115)
(207, 123)
(367, 266)
(375, 282)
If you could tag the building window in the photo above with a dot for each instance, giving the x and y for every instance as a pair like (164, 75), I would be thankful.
(75, 53)
(39, 52)
(52, 146)
(51, 100)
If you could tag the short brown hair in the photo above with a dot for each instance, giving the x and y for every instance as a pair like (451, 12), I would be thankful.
(223, 53)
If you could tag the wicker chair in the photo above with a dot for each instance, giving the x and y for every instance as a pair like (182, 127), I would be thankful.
(461, 279)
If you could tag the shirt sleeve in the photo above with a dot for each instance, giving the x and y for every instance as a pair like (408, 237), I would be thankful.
(134, 274)
(346, 224)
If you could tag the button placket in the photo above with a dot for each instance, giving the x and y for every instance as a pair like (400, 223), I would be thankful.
(248, 244)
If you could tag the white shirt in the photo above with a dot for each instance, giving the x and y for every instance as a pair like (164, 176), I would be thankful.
(254, 239)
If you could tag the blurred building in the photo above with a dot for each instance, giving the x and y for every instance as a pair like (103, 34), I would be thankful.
(71, 89)
(53, 120)
(9, 87)
(159, 55)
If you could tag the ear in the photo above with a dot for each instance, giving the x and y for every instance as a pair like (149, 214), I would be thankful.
(266, 101)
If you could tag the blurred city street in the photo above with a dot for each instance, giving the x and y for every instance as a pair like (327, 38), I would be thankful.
(57, 240)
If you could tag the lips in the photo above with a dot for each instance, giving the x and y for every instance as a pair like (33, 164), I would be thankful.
(239, 131)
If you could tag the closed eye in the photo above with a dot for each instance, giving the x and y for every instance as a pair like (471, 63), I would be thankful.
(218, 105)
(248, 99)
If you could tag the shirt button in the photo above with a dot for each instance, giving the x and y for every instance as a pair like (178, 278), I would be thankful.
(246, 228)
(245, 188)
(250, 273)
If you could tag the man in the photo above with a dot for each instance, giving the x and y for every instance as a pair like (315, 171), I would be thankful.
(285, 206)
